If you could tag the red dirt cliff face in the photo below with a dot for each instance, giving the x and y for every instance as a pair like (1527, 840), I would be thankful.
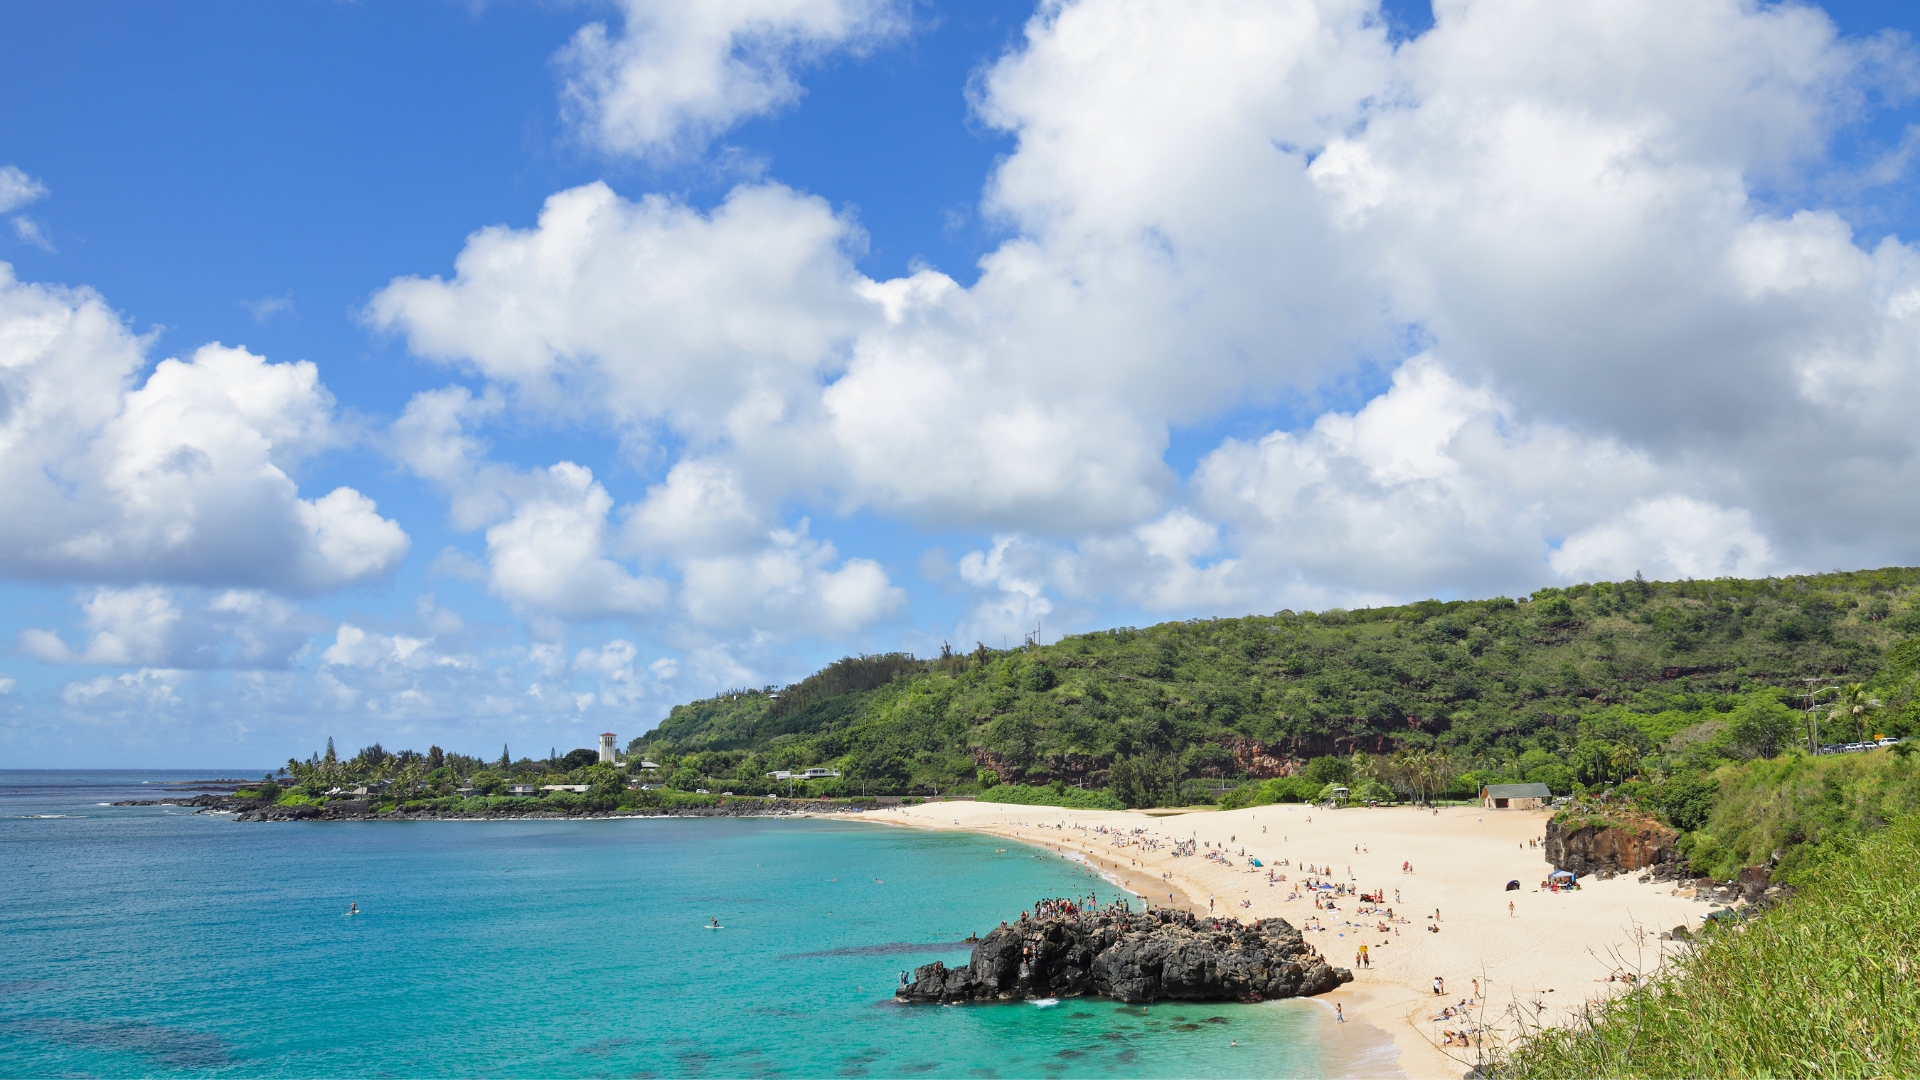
(1620, 847)
(1260, 762)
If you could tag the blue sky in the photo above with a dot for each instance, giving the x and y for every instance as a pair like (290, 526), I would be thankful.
(704, 347)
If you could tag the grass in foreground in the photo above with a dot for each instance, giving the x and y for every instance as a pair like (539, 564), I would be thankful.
(1828, 984)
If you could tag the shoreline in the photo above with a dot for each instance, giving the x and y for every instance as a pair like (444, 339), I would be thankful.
(1537, 965)
(255, 811)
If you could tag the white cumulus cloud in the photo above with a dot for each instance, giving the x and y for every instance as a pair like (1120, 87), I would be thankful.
(677, 73)
(183, 478)
(551, 553)
(1566, 234)
(160, 627)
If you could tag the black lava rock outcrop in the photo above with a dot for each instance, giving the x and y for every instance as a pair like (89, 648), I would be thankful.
(1135, 958)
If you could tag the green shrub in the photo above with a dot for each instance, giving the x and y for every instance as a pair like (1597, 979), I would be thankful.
(1822, 986)
(1329, 770)
(1054, 794)
(563, 801)
(1279, 789)
(1684, 802)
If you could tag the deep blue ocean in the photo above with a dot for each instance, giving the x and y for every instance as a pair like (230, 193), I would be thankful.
(155, 941)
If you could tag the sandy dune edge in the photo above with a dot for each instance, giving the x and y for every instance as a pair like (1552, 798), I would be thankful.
(1536, 965)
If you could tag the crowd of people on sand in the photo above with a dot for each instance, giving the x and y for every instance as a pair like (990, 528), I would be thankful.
(1319, 882)
(1458, 1011)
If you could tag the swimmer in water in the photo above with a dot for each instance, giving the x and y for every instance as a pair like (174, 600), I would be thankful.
(353, 907)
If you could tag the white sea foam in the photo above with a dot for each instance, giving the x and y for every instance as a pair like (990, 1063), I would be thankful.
(1044, 1003)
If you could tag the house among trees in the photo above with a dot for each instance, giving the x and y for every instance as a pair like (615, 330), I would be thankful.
(1514, 796)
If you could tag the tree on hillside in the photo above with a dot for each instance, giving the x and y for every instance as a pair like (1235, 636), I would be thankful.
(1758, 729)
(1148, 779)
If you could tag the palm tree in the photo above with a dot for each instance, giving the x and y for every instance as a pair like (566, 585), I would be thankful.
(1852, 706)
(1426, 772)
(1622, 761)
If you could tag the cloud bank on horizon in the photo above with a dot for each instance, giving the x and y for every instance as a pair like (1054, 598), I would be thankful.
(1544, 294)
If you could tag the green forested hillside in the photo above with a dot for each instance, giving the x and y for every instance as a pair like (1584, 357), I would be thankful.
(1586, 685)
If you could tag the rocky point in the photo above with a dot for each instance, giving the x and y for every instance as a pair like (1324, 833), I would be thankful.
(1132, 957)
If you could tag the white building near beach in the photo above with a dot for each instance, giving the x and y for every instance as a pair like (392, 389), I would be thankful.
(1514, 796)
(607, 739)
(815, 773)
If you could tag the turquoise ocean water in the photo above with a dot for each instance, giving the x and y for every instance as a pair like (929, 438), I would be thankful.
(153, 941)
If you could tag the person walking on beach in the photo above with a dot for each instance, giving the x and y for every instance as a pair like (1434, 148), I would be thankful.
(1510, 909)
(1439, 985)
(1339, 1017)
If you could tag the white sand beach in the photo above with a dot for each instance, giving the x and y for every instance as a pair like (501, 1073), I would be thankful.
(1535, 965)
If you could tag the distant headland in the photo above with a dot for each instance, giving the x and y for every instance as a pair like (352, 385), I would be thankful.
(377, 784)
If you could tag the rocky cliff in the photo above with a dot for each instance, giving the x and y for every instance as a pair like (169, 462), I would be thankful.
(1134, 958)
(1594, 847)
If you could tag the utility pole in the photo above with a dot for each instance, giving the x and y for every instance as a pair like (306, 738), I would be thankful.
(1813, 717)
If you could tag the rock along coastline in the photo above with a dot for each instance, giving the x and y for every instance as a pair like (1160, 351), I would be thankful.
(1132, 957)
(364, 810)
